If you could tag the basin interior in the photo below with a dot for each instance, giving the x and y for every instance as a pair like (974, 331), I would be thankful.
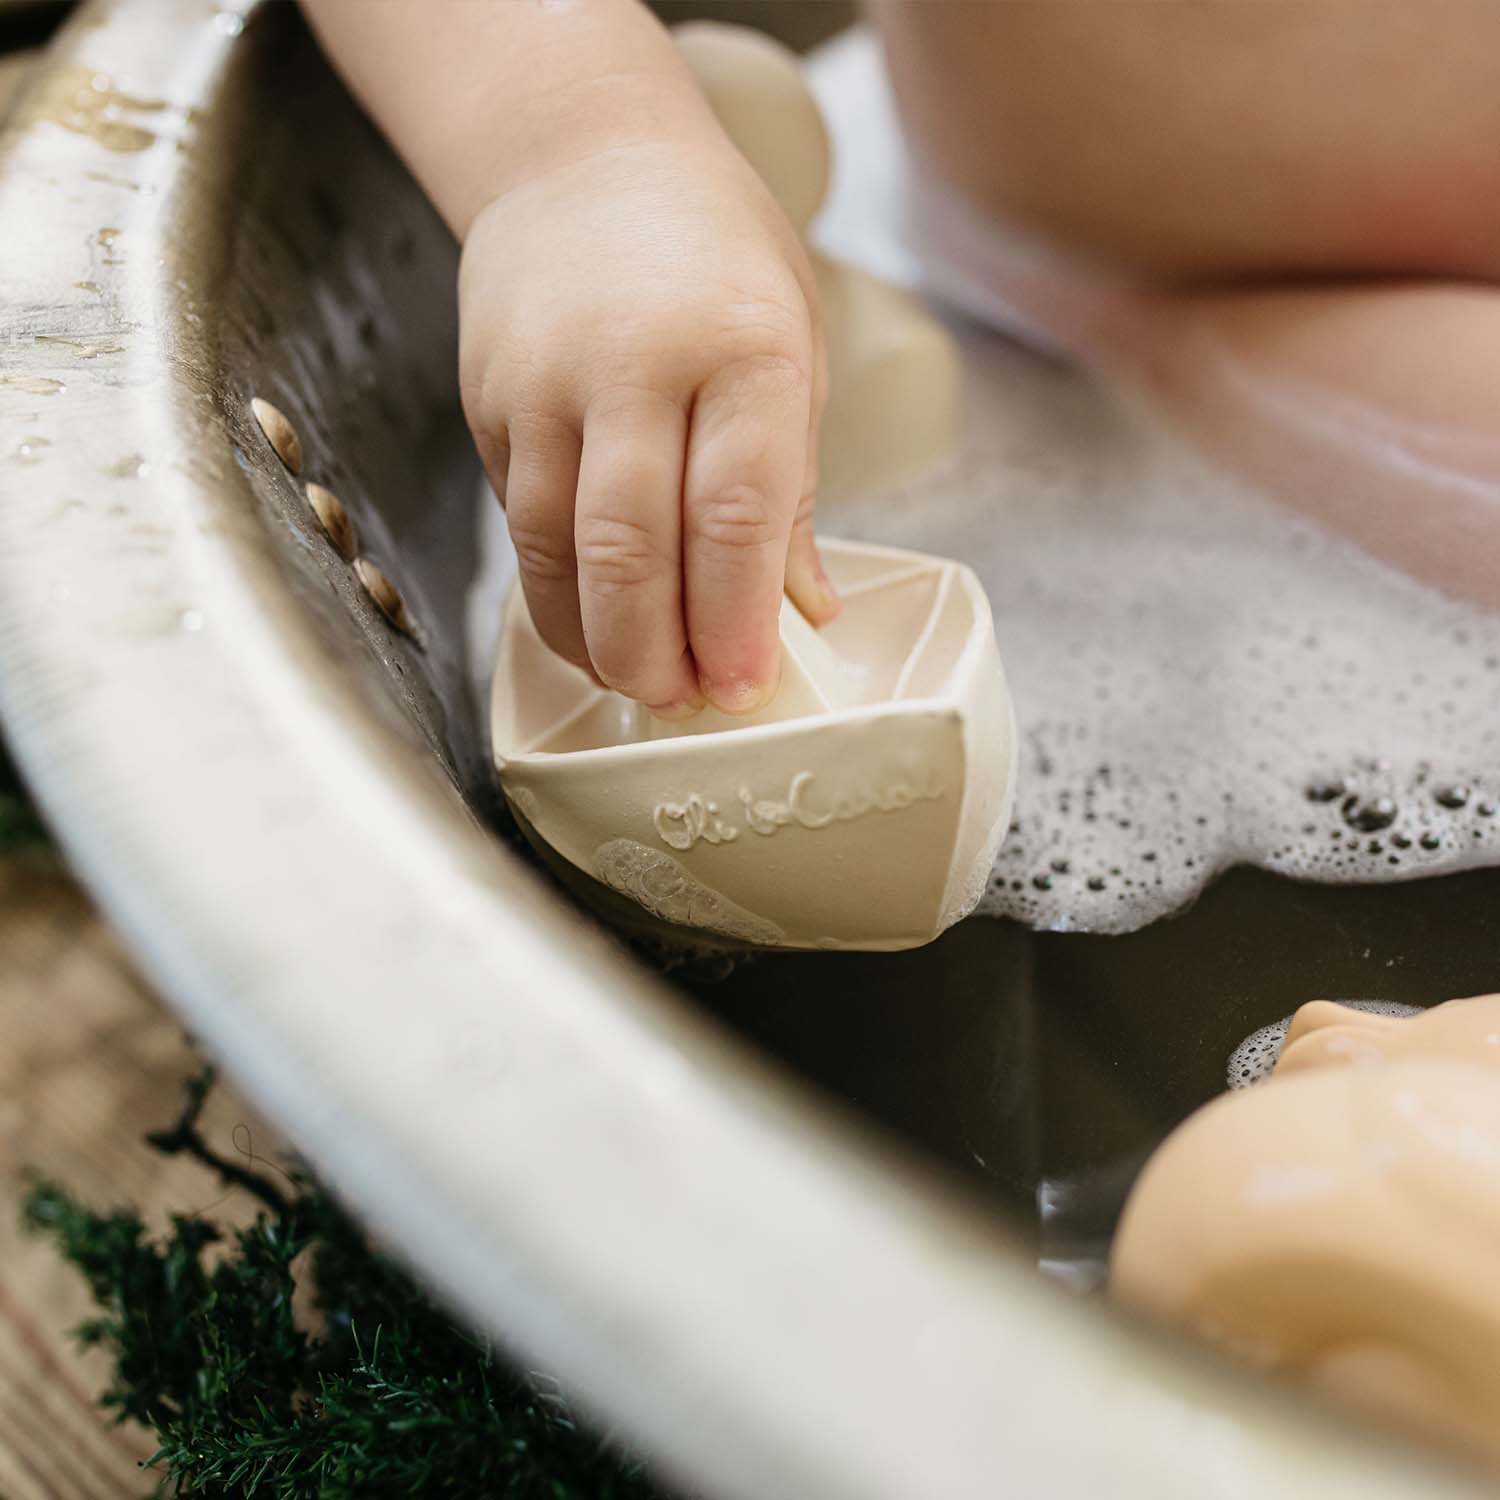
(1040, 1068)
(1045, 1067)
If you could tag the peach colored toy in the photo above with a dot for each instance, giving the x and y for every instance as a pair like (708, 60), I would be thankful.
(1338, 1222)
(1324, 1033)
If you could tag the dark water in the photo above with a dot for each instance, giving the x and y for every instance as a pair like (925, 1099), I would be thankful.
(1044, 1068)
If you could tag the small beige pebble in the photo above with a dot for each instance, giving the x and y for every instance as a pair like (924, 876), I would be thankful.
(279, 432)
(334, 519)
(387, 600)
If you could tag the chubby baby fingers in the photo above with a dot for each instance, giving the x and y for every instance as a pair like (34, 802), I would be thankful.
(540, 484)
(747, 457)
(628, 539)
(808, 584)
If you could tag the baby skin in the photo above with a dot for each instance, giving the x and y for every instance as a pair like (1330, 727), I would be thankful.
(641, 360)
(1275, 221)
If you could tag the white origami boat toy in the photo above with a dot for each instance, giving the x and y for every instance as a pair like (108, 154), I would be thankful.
(861, 809)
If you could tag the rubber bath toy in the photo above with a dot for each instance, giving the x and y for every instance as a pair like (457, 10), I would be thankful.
(862, 808)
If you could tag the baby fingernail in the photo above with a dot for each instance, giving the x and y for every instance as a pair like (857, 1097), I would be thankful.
(739, 697)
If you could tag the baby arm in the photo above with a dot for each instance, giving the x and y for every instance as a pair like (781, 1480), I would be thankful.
(640, 354)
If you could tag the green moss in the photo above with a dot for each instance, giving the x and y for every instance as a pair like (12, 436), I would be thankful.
(388, 1398)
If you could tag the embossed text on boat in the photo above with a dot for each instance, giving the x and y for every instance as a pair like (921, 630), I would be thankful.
(682, 824)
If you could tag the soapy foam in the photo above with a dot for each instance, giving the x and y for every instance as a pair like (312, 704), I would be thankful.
(1254, 1058)
(1203, 678)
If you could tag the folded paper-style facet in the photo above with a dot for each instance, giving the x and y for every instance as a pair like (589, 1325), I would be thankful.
(861, 808)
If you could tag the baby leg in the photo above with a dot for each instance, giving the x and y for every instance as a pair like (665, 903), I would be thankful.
(1215, 201)
(1371, 405)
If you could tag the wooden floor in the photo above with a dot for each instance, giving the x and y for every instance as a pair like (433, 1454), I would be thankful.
(89, 1061)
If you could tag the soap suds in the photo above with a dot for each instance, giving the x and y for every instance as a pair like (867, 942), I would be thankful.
(1254, 1058)
(1203, 677)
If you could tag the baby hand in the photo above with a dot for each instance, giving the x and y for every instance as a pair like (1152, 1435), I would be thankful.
(643, 371)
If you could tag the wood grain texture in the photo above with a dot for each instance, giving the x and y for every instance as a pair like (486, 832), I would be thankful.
(89, 1061)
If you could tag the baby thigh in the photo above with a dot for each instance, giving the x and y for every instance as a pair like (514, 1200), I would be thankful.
(1369, 405)
(1215, 138)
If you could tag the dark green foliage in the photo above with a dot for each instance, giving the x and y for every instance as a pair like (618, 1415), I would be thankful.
(389, 1397)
